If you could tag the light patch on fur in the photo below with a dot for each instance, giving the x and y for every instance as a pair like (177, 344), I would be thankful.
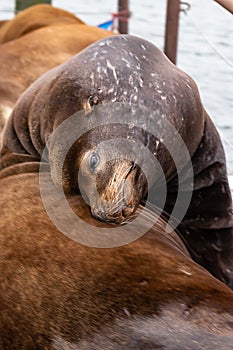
(61, 344)
(185, 269)
(92, 77)
(87, 107)
(127, 62)
(140, 81)
(113, 69)
(177, 327)
(5, 113)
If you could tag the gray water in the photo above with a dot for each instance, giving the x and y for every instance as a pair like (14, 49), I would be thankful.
(205, 47)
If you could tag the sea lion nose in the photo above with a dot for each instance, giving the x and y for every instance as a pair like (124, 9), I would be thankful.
(118, 206)
(99, 213)
(106, 214)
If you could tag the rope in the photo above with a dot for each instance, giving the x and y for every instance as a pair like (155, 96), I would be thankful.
(122, 15)
(214, 48)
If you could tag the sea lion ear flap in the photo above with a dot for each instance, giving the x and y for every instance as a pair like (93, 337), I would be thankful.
(93, 100)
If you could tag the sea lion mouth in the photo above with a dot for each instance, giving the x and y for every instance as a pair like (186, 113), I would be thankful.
(121, 216)
(120, 199)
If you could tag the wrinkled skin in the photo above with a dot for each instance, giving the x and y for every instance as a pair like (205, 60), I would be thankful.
(159, 86)
(26, 58)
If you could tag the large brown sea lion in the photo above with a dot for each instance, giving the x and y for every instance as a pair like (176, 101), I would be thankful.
(58, 294)
(23, 60)
(33, 18)
(3, 22)
(162, 107)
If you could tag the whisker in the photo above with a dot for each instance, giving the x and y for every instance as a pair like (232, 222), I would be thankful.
(153, 211)
(116, 206)
(122, 176)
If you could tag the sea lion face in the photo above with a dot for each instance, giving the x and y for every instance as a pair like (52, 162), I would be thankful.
(113, 188)
(107, 163)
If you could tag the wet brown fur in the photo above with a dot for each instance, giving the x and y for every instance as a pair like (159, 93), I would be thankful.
(58, 294)
(33, 18)
(3, 22)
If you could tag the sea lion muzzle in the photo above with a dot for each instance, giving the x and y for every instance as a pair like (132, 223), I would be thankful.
(116, 199)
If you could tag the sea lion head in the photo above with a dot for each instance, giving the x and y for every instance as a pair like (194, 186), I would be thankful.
(108, 165)
(113, 188)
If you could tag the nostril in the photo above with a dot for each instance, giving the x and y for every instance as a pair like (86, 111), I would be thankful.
(98, 213)
(128, 211)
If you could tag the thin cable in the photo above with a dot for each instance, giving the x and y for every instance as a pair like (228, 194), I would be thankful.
(214, 48)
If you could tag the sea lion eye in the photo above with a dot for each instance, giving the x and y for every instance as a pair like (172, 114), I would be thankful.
(93, 100)
(94, 161)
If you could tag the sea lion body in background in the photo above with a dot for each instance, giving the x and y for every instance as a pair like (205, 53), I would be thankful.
(23, 60)
(3, 22)
(138, 75)
(58, 294)
(35, 17)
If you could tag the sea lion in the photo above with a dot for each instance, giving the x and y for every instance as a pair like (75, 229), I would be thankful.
(35, 17)
(58, 294)
(141, 78)
(23, 60)
(2, 22)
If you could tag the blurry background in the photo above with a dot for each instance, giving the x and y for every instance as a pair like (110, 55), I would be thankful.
(204, 51)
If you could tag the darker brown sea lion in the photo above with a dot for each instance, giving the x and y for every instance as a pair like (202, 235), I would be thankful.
(23, 60)
(33, 18)
(58, 294)
(140, 76)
